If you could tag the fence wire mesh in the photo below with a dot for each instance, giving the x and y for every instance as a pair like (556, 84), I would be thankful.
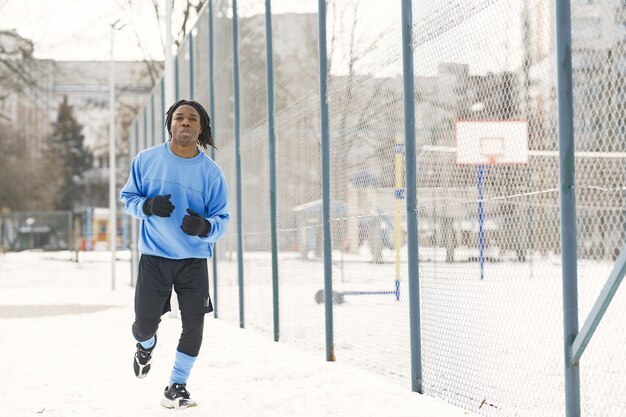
(157, 111)
(254, 162)
(201, 77)
(228, 293)
(366, 120)
(182, 66)
(299, 214)
(487, 302)
(599, 78)
(488, 201)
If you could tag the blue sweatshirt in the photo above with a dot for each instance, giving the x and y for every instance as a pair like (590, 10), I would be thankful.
(196, 183)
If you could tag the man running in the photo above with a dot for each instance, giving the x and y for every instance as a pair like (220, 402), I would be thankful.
(181, 198)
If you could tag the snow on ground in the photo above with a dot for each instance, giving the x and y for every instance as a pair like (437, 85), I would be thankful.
(492, 346)
(67, 351)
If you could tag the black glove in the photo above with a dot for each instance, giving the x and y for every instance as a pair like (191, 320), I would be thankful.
(159, 206)
(194, 225)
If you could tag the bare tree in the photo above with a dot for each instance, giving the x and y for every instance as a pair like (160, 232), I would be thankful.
(355, 102)
(358, 50)
(189, 7)
(190, 11)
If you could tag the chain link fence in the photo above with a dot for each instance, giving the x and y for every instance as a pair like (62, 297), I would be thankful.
(488, 202)
(599, 78)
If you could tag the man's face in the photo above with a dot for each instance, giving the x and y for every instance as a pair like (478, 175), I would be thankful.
(185, 126)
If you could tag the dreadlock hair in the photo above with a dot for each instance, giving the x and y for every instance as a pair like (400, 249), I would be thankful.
(206, 138)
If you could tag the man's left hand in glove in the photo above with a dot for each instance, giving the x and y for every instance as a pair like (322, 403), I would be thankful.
(194, 225)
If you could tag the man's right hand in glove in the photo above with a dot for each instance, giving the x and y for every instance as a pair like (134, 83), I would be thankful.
(159, 206)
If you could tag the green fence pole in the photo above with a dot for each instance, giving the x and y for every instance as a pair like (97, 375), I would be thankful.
(147, 141)
(212, 114)
(325, 145)
(176, 81)
(269, 69)
(191, 92)
(154, 141)
(411, 196)
(134, 261)
(164, 136)
(599, 307)
(568, 201)
(134, 223)
(238, 163)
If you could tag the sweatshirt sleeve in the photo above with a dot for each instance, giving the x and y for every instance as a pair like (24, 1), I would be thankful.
(131, 194)
(217, 209)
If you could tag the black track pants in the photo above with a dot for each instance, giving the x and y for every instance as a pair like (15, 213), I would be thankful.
(190, 338)
(155, 280)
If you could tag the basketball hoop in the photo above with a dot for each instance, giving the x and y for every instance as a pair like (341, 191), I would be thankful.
(491, 142)
(492, 147)
(486, 143)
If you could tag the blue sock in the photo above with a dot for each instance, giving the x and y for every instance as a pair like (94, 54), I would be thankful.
(148, 343)
(182, 367)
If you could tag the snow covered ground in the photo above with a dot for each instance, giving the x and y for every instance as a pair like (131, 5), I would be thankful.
(67, 350)
(491, 346)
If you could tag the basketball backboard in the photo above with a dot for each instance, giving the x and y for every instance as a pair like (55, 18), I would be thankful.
(491, 142)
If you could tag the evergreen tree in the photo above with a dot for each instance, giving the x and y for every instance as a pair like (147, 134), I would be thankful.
(26, 182)
(68, 148)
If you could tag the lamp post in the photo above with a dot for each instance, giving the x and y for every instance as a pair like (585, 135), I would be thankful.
(169, 93)
(169, 59)
(117, 25)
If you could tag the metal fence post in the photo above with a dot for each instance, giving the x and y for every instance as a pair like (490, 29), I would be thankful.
(212, 114)
(269, 68)
(568, 202)
(176, 81)
(411, 196)
(152, 131)
(191, 92)
(134, 227)
(164, 137)
(238, 163)
(147, 140)
(124, 231)
(325, 145)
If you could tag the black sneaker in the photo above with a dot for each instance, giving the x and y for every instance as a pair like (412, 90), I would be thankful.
(177, 396)
(143, 357)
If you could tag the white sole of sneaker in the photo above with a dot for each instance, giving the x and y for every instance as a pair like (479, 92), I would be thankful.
(178, 403)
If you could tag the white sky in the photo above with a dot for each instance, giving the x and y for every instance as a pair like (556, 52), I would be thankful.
(80, 29)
